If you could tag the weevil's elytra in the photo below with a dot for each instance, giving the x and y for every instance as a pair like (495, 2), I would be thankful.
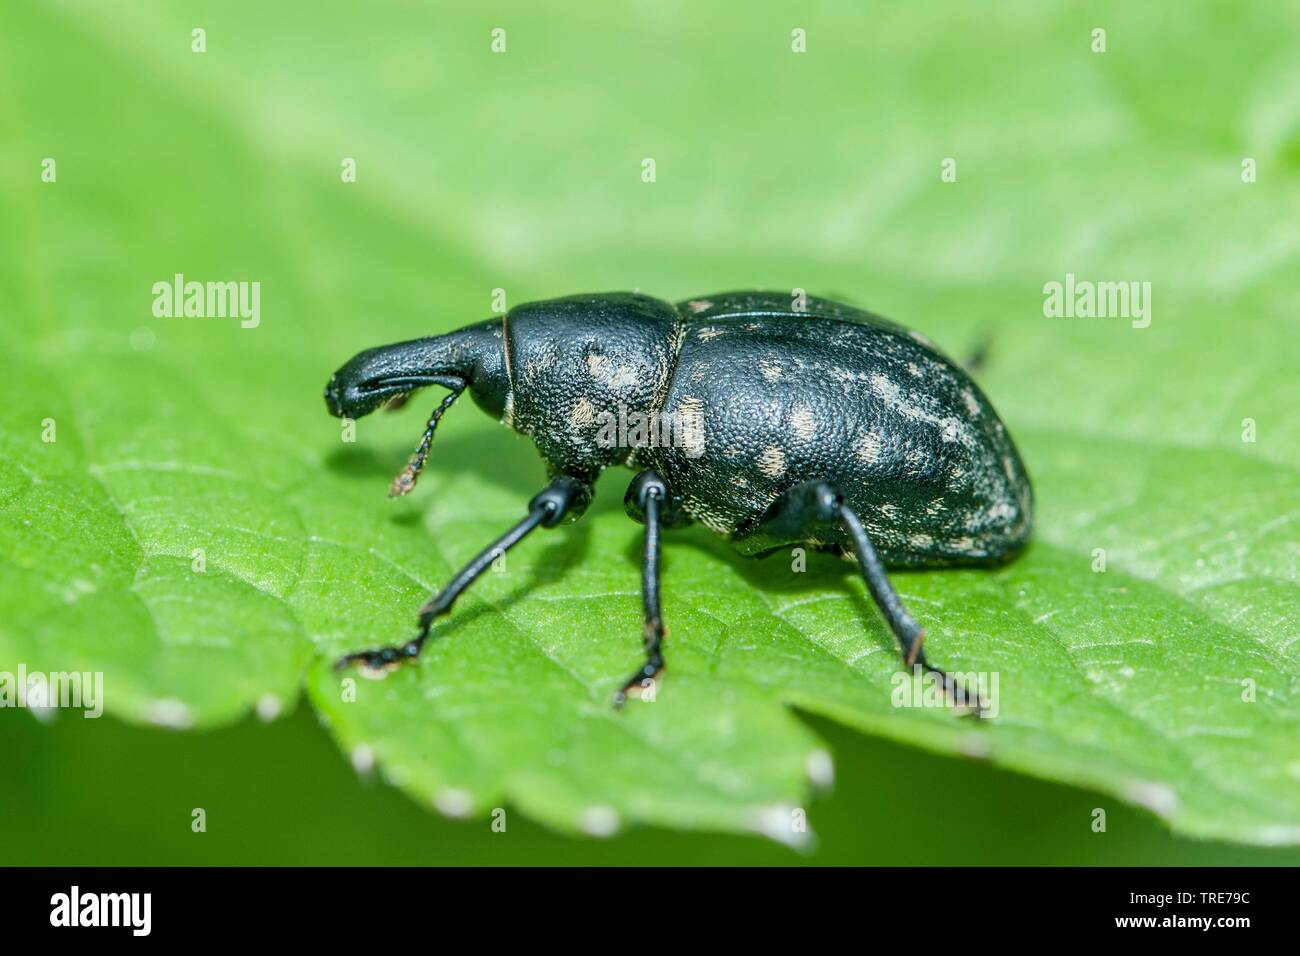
(828, 427)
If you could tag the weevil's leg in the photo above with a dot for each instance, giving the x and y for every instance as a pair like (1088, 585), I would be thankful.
(909, 633)
(648, 493)
(809, 508)
(547, 509)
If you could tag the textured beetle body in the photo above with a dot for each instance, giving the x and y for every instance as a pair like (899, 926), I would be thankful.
(775, 397)
(822, 425)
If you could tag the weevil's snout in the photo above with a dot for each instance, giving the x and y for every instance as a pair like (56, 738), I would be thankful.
(377, 376)
(352, 392)
(472, 357)
(334, 397)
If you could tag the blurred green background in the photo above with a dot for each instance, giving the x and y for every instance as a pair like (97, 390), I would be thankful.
(97, 792)
(523, 171)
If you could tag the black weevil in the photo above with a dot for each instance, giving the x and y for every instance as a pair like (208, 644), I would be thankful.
(794, 422)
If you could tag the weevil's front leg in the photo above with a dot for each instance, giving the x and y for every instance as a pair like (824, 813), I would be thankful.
(561, 498)
(647, 496)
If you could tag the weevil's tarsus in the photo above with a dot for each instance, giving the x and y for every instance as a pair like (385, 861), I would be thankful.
(962, 699)
(643, 685)
(408, 476)
(563, 496)
(648, 492)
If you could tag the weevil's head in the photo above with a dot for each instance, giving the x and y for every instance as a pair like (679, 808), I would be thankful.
(562, 371)
(472, 357)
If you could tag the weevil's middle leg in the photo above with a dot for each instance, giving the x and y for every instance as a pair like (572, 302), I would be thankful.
(648, 494)
(547, 509)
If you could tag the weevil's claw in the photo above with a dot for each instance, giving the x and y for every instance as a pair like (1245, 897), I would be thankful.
(970, 703)
(346, 661)
(405, 480)
(642, 685)
(377, 663)
(972, 706)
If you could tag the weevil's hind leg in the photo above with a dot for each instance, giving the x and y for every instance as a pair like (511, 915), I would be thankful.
(813, 506)
(548, 508)
(910, 635)
(647, 496)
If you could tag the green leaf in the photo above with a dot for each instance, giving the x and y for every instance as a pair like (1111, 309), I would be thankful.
(201, 534)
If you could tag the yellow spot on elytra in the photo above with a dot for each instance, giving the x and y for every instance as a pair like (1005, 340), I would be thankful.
(772, 462)
(582, 414)
(869, 448)
(884, 387)
(690, 408)
(802, 422)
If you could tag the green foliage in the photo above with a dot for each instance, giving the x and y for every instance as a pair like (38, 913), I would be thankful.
(185, 443)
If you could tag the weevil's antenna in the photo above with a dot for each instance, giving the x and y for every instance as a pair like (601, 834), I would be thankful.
(408, 476)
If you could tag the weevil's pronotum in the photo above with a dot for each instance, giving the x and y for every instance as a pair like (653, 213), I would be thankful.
(823, 426)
